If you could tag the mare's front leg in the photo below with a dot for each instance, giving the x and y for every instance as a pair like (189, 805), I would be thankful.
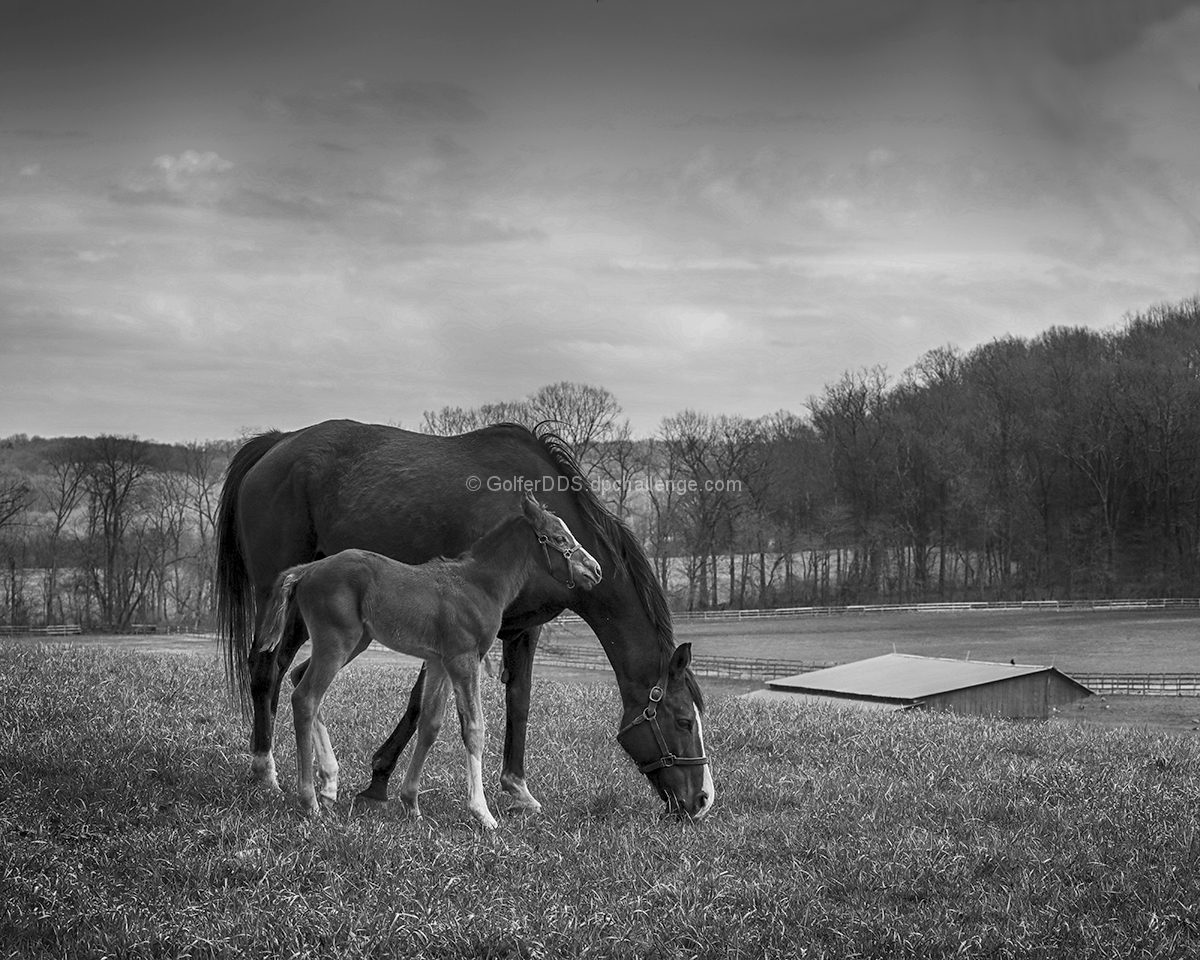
(266, 675)
(464, 672)
(433, 709)
(517, 674)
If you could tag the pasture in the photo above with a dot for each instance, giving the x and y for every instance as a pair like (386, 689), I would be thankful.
(128, 828)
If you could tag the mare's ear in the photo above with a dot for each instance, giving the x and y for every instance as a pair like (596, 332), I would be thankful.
(680, 659)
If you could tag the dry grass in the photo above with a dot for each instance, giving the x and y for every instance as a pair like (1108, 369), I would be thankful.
(127, 828)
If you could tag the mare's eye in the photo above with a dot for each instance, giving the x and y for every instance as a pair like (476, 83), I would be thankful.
(686, 722)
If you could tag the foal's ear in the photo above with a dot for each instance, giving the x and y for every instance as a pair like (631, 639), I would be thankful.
(530, 505)
(680, 659)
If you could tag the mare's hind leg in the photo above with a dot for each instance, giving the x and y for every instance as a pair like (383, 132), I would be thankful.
(266, 675)
(385, 758)
(517, 675)
(433, 709)
(464, 672)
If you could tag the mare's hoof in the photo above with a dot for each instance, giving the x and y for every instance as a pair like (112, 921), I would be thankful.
(375, 793)
(528, 808)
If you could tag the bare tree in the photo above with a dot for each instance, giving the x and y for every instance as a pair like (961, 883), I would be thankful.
(450, 421)
(62, 490)
(117, 532)
(583, 415)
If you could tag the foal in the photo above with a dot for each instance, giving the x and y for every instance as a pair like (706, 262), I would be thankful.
(446, 611)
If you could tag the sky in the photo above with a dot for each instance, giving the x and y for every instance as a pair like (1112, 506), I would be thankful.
(247, 214)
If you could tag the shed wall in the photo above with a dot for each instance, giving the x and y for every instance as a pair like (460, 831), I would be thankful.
(1020, 698)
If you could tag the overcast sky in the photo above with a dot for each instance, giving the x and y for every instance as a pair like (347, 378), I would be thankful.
(264, 214)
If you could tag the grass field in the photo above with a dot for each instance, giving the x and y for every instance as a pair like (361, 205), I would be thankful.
(128, 829)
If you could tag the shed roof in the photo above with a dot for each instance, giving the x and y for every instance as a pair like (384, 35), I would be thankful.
(816, 699)
(904, 678)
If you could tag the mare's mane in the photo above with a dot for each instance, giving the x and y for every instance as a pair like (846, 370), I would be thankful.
(620, 543)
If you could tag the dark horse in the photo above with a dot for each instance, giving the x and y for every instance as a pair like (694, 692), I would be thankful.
(290, 498)
(447, 612)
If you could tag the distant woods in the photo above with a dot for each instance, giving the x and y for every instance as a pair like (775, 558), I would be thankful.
(1067, 466)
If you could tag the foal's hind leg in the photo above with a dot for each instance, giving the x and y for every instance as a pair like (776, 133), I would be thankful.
(327, 768)
(311, 734)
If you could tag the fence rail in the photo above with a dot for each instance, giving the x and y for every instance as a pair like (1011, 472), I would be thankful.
(51, 630)
(1160, 603)
(1156, 684)
(756, 668)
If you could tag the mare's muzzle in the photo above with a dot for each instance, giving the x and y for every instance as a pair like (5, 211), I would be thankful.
(666, 758)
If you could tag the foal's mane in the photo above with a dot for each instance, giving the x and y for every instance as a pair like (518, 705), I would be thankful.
(620, 543)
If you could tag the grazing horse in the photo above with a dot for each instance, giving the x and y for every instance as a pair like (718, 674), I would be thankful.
(447, 612)
(290, 498)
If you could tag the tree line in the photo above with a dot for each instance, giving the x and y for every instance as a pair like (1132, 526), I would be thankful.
(1062, 466)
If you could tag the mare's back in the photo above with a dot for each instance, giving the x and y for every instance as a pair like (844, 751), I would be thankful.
(403, 494)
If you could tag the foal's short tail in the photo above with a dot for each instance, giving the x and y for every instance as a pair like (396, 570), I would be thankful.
(280, 609)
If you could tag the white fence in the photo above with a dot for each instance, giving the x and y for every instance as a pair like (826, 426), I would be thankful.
(52, 630)
(783, 613)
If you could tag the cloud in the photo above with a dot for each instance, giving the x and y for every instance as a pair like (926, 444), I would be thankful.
(190, 179)
(206, 180)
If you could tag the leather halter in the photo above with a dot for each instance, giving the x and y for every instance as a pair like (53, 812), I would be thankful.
(546, 545)
(650, 715)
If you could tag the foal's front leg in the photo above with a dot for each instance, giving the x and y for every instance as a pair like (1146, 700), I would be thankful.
(429, 723)
(464, 672)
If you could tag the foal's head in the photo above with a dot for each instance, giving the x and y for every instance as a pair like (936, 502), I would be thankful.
(552, 533)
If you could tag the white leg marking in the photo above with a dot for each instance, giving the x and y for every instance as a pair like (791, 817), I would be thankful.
(262, 768)
(327, 765)
(709, 787)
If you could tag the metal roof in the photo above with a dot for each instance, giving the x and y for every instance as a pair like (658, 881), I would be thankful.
(905, 678)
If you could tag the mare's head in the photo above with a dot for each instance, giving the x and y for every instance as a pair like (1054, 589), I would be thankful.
(665, 737)
(553, 534)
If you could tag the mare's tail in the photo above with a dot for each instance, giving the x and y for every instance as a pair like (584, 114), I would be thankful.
(235, 593)
(280, 608)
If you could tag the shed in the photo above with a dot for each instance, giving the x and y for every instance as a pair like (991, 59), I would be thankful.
(901, 681)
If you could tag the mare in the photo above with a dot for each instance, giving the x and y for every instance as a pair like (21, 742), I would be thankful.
(290, 498)
(447, 612)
